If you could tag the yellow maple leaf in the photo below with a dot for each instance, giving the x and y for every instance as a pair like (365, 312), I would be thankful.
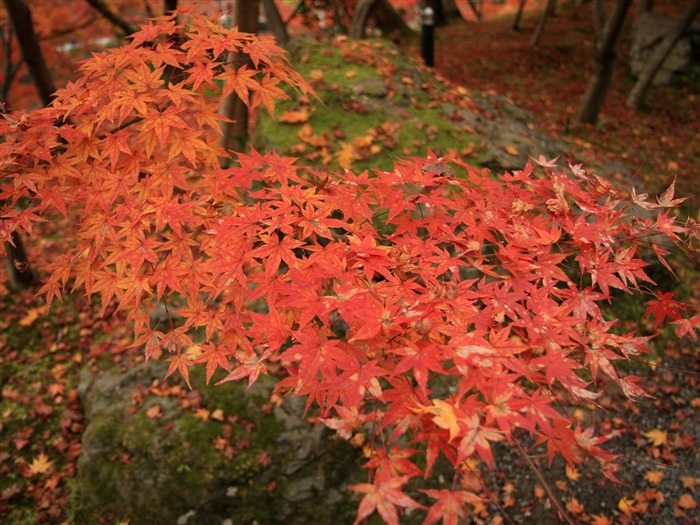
(32, 315)
(657, 437)
(574, 506)
(316, 75)
(345, 155)
(572, 473)
(512, 150)
(689, 482)
(600, 519)
(444, 416)
(295, 117)
(40, 464)
(654, 476)
(626, 506)
(539, 491)
(686, 502)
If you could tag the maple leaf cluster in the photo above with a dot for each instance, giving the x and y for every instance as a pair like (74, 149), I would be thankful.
(438, 308)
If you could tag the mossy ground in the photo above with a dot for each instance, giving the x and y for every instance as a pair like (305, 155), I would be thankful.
(373, 107)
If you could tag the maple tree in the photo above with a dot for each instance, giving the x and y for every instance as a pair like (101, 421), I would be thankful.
(437, 309)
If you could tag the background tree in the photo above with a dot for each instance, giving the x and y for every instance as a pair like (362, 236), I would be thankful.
(636, 96)
(16, 260)
(234, 108)
(387, 19)
(519, 15)
(605, 54)
(275, 22)
(539, 30)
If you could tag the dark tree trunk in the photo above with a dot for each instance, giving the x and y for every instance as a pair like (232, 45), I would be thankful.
(519, 15)
(21, 20)
(17, 264)
(604, 62)
(275, 22)
(9, 70)
(388, 20)
(598, 18)
(18, 267)
(539, 31)
(636, 96)
(645, 6)
(235, 134)
(450, 10)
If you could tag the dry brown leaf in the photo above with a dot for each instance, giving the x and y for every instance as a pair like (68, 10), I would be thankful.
(154, 412)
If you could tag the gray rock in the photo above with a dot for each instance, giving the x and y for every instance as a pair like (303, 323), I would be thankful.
(649, 32)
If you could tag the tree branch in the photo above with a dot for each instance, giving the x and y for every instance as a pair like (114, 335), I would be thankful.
(122, 24)
(23, 27)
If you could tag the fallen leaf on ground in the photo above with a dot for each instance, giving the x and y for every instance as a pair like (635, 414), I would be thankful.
(42, 464)
(654, 476)
(657, 437)
(687, 502)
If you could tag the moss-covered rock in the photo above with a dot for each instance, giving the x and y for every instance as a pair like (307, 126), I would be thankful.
(375, 105)
(155, 454)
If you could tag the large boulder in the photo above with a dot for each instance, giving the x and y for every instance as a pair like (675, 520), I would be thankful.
(157, 453)
(682, 64)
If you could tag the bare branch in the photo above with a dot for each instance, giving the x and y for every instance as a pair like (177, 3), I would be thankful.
(122, 24)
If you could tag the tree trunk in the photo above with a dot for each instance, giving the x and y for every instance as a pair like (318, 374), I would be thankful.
(275, 22)
(636, 96)
(549, 10)
(519, 15)
(21, 20)
(17, 264)
(598, 18)
(235, 134)
(18, 268)
(645, 6)
(450, 10)
(604, 62)
(388, 20)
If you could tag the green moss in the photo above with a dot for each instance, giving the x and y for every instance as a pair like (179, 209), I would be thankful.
(397, 107)
(176, 454)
